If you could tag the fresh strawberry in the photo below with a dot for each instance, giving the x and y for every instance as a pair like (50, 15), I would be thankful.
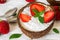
(39, 7)
(57, 11)
(30, 0)
(56, 7)
(2, 1)
(24, 17)
(48, 16)
(4, 27)
(57, 15)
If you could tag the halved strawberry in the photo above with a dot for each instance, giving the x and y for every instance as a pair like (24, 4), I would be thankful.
(48, 16)
(39, 7)
(24, 17)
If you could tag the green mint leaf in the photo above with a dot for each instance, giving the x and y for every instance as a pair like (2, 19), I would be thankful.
(41, 13)
(15, 36)
(55, 30)
(41, 19)
(36, 12)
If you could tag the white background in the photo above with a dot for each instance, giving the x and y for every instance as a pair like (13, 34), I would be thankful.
(15, 28)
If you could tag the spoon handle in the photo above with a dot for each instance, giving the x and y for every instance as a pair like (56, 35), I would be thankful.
(3, 16)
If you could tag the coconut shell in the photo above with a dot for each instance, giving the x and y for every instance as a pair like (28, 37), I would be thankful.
(54, 2)
(30, 33)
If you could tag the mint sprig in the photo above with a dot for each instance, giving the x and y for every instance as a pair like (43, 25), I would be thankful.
(38, 14)
(55, 30)
(41, 13)
(41, 19)
(15, 36)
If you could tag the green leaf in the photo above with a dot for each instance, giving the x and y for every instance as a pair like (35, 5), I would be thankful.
(41, 19)
(55, 30)
(41, 13)
(36, 12)
(15, 36)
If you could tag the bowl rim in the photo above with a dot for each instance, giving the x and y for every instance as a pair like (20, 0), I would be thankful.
(27, 6)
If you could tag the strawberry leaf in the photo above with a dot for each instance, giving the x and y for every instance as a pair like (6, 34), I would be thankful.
(15, 36)
(41, 19)
(55, 30)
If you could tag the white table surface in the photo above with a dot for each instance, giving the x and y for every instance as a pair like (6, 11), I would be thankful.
(15, 28)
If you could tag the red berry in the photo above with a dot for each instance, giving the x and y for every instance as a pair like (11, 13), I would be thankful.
(24, 17)
(57, 10)
(2, 1)
(39, 7)
(4, 27)
(56, 7)
(48, 16)
(57, 15)
(30, 0)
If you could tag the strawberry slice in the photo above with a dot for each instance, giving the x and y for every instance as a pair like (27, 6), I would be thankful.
(39, 7)
(48, 16)
(24, 17)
